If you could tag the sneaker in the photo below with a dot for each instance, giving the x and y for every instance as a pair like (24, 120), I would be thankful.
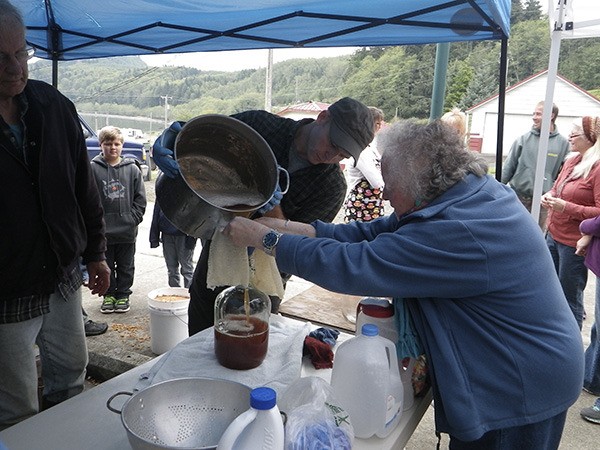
(592, 414)
(95, 328)
(108, 305)
(121, 305)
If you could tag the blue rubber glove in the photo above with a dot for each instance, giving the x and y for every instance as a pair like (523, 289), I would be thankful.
(162, 150)
(273, 201)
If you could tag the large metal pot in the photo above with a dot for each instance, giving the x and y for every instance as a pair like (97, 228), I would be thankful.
(184, 413)
(226, 168)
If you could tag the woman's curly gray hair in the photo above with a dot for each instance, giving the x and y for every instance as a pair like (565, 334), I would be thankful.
(425, 160)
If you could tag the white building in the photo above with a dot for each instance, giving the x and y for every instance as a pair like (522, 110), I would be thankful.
(573, 102)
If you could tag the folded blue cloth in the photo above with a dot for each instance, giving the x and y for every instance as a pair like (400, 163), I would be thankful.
(327, 335)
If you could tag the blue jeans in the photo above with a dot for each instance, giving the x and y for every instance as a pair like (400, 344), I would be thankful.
(544, 435)
(572, 274)
(177, 254)
(591, 379)
(60, 337)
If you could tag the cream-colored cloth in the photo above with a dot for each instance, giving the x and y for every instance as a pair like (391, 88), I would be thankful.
(229, 265)
(264, 274)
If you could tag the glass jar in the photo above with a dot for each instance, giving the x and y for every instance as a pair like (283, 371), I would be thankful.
(241, 327)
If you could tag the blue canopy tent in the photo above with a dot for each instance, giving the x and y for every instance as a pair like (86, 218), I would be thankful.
(62, 30)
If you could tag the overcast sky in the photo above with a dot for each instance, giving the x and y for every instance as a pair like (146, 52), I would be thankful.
(243, 59)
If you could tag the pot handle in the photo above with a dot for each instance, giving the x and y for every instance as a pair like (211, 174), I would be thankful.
(109, 401)
(287, 179)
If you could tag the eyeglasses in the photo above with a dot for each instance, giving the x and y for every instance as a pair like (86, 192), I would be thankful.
(575, 135)
(21, 56)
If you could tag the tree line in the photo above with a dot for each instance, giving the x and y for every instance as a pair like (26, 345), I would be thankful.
(399, 79)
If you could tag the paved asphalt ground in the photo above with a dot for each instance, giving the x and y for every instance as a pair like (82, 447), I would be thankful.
(127, 342)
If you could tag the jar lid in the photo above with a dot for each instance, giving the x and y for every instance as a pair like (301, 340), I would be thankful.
(263, 398)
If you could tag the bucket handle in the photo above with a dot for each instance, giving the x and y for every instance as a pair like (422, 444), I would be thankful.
(287, 179)
(112, 397)
(171, 312)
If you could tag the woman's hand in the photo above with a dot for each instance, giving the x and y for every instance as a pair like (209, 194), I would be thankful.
(554, 203)
(544, 201)
(245, 232)
(582, 244)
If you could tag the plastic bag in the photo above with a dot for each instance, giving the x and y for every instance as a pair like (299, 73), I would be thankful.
(315, 420)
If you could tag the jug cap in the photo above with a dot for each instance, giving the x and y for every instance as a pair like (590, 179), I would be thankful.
(369, 329)
(263, 398)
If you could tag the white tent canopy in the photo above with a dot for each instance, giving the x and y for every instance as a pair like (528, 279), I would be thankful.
(569, 19)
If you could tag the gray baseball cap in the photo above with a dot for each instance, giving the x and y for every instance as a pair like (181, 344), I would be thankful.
(352, 126)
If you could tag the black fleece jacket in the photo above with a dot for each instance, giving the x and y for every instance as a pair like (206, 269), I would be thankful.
(50, 208)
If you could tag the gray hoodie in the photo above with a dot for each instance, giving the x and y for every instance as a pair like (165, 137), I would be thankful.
(123, 198)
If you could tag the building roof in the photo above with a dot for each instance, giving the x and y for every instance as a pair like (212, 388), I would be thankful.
(527, 80)
(305, 107)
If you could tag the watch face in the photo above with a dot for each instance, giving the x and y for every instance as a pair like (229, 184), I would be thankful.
(270, 239)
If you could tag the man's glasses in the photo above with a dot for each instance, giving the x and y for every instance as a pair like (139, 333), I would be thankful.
(575, 135)
(21, 56)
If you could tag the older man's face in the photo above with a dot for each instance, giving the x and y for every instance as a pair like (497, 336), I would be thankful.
(319, 147)
(13, 68)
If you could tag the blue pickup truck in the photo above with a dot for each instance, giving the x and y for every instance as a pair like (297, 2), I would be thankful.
(131, 149)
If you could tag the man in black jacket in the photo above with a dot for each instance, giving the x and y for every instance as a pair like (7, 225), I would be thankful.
(51, 215)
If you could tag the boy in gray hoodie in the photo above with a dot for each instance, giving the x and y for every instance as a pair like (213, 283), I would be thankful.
(123, 197)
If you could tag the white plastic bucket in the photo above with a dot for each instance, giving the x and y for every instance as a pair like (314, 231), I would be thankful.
(168, 319)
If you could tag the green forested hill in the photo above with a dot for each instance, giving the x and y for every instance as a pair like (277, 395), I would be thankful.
(397, 79)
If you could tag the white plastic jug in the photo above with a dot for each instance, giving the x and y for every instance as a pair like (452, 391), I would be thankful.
(259, 428)
(366, 381)
(406, 377)
(378, 311)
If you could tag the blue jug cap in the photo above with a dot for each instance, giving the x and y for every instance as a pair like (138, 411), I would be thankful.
(263, 398)
(369, 329)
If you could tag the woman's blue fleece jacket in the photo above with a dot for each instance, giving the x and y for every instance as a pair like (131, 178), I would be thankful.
(503, 346)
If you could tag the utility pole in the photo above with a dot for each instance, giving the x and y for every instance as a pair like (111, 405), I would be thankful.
(296, 94)
(166, 98)
(269, 82)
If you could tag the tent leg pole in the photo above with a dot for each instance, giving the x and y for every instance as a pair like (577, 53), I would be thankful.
(442, 55)
(55, 73)
(501, 105)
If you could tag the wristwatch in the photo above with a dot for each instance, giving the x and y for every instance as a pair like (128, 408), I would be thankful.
(270, 241)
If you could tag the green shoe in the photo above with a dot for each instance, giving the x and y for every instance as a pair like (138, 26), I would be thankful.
(121, 305)
(108, 305)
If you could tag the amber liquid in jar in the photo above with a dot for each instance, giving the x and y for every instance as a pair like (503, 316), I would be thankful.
(241, 342)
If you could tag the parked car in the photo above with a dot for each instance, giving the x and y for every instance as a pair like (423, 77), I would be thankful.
(131, 149)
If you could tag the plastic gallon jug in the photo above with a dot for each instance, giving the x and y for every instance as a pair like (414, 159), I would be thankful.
(366, 381)
(406, 376)
(259, 428)
(378, 311)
